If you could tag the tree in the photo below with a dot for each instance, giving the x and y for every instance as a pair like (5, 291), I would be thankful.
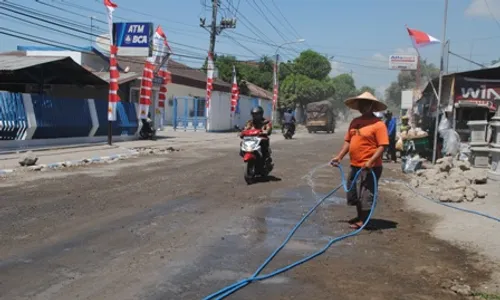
(313, 65)
(344, 88)
(259, 73)
(366, 88)
(300, 89)
(407, 80)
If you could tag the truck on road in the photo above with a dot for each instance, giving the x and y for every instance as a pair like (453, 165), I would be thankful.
(320, 117)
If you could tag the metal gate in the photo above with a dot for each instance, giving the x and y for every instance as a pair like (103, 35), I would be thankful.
(189, 113)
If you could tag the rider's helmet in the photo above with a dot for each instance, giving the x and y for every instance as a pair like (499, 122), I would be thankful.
(257, 113)
(289, 110)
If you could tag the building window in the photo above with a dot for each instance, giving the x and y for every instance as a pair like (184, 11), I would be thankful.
(200, 112)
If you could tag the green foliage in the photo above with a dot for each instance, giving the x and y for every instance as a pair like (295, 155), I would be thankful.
(313, 65)
(366, 89)
(344, 88)
(302, 80)
(300, 89)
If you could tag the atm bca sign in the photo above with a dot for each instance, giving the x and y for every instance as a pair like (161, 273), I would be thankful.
(403, 62)
(133, 39)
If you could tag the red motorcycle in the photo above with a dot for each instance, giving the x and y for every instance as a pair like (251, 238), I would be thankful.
(251, 151)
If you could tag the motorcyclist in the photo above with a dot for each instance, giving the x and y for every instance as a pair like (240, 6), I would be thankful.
(288, 119)
(259, 122)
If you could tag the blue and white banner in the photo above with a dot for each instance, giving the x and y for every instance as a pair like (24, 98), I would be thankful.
(133, 39)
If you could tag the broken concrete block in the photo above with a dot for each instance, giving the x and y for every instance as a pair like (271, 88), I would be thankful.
(28, 159)
(461, 289)
(36, 168)
(481, 194)
(455, 196)
(470, 194)
(462, 165)
(476, 176)
(443, 160)
(445, 167)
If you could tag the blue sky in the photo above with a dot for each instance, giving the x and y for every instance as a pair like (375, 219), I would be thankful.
(359, 34)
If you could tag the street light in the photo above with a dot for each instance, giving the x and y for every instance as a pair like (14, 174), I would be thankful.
(276, 70)
(289, 43)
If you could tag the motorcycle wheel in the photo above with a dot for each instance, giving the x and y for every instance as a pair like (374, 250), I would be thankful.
(249, 172)
(143, 134)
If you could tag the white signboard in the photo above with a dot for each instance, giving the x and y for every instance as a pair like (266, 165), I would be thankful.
(403, 62)
(406, 99)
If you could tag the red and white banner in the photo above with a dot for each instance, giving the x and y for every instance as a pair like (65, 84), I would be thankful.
(148, 74)
(235, 92)
(210, 81)
(146, 91)
(114, 75)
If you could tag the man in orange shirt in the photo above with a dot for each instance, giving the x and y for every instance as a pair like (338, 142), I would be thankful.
(365, 142)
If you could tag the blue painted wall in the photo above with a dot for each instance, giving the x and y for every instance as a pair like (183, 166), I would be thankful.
(126, 118)
(13, 122)
(61, 118)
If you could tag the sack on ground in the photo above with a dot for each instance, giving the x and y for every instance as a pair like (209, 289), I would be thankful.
(399, 144)
(410, 164)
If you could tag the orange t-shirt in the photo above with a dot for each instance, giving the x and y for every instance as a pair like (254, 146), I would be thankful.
(365, 135)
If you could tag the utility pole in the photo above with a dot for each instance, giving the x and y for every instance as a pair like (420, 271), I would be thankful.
(215, 29)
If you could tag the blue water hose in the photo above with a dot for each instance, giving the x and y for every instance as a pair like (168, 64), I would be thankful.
(223, 293)
(470, 211)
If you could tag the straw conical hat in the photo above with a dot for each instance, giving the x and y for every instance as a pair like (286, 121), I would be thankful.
(378, 105)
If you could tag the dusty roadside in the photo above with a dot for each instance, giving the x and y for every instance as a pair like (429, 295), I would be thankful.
(476, 234)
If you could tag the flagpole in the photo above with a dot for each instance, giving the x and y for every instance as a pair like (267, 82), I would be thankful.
(440, 87)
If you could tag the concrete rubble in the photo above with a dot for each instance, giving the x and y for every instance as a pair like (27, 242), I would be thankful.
(453, 180)
(156, 151)
(29, 159)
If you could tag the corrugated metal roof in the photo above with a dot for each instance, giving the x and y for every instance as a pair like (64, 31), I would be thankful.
(124, 77)
(257, 91)
(12, 63)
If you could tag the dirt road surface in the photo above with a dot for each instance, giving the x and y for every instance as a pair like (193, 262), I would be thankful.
(185, 225)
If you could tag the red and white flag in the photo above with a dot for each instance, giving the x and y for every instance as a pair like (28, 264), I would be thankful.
(210, 81)
(114, 75)
(421, 39)
(235, 92)
(110, 8)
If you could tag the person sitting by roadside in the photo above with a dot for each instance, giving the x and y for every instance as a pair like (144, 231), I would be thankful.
(365, 142)
(405, 126)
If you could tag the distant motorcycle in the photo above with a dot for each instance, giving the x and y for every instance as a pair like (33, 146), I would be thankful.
(147, 132)
(288, 131)
(250, 149)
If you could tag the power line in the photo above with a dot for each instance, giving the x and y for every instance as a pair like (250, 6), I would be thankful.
(491, 13)
(52, 17)
(279, 21)
(259, 10)
(260, 34)
(286, 20)
(195, 56)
